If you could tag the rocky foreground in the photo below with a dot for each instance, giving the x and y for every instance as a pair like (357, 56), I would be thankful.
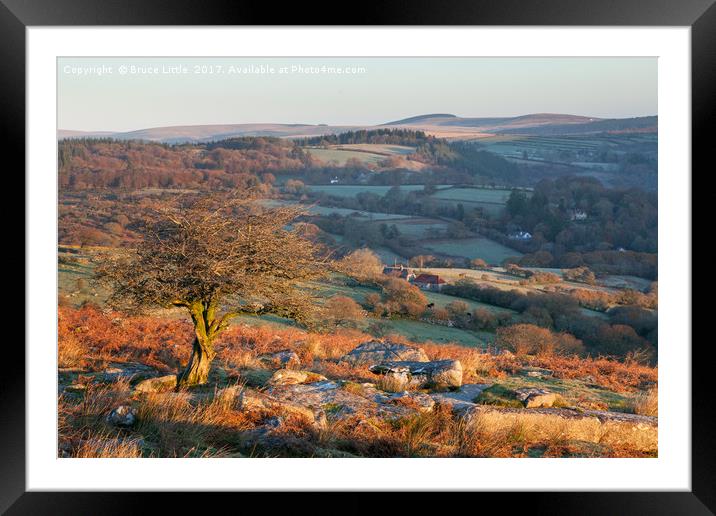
(294, 405)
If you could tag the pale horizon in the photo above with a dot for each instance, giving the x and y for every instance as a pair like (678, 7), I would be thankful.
(93, 96)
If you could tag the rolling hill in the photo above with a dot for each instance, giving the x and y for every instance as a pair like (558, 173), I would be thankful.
(440, 125)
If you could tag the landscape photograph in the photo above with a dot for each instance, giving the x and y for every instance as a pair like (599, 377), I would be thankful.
(361, 257)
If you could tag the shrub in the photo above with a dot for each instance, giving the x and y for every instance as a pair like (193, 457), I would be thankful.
(361, 264)
(343, 311)
(528, 339)
(581, 275)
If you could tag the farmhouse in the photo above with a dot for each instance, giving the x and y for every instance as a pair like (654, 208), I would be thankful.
(429, 282)
(577, 215)
(521, 235)
(399, 271)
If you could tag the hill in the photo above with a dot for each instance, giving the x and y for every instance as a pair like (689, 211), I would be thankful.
(440, 125)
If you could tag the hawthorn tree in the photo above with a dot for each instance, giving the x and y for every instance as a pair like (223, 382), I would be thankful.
(217, 257)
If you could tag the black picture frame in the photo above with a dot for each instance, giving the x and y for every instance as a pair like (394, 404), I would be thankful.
(700, 15)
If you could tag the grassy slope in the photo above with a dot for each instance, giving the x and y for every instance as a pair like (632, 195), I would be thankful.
(414, 330)
(479, 247)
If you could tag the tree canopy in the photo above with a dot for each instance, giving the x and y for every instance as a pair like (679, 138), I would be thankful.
(218, 257)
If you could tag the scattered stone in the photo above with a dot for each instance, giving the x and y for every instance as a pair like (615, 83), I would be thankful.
(439, 374)
(293, 377)
(253, 401)
(76, 388)
(462, 399)
(158, 384)
(119, 370)
(375, 352)
(123, 416)
(536, 398)
(338, 403)
(537, 372)
(287, 359)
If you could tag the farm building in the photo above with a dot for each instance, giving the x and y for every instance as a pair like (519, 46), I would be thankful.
(429, 282)
(399, 271)
(577, 215)
(521, 235)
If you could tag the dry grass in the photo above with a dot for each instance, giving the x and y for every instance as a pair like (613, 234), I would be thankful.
(647, 403)
(70, 352)
(105, 447)
(206, 422)
(537, 427)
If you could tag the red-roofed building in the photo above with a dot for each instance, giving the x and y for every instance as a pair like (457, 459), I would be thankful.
(429, 282)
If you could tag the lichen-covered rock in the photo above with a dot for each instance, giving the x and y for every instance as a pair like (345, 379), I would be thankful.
(254, 401)
(537, 398)
(439, 374)
(374, 352)
(293, 377)
(461, 399)
(158, 384)
(123, 416)
(338, 403)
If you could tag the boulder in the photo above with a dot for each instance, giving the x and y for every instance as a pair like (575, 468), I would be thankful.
(338, 403)
(123, 416)
(286, 359)
(254, 401)
(461, 399)
(438, 374)
(374, 352)
(536, 398)
(158, 384)
(294, 377)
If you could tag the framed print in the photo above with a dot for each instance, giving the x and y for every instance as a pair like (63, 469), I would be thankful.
(418, 253)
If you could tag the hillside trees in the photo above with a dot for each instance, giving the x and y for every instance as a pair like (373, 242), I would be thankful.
(217, 257)
(361, 264)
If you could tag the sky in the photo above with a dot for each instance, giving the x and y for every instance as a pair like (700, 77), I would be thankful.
(124, 94)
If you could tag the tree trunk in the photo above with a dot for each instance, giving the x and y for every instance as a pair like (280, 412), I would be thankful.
(197, 370)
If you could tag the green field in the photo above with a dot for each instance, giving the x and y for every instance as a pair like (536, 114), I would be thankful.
(492, 200)
(327, 210)
(476, 195)
(581, 151)
(75, 266)
(419, 331)
(378, 148)
(479, 247)
(364, 152)
(353, 190)
(420, 228)
(358, 293)
(342, 156)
